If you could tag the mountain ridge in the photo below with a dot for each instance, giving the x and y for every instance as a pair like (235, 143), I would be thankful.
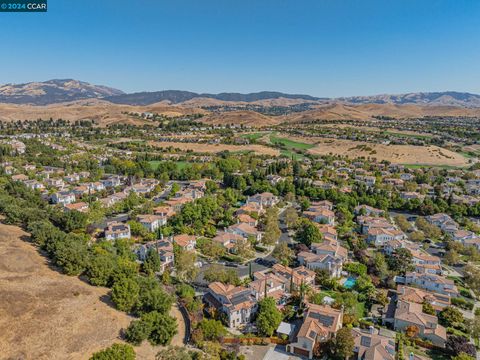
(53, 91)
(67, 90)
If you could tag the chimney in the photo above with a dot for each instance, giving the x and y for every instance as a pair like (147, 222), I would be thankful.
(161, 236)
(411, 356)
(371, 330)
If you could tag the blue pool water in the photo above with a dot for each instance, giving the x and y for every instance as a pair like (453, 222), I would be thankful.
(349, 283)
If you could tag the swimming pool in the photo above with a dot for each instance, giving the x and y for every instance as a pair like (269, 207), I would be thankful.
(349, 283)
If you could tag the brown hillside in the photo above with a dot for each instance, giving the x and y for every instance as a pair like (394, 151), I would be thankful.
(251, 118)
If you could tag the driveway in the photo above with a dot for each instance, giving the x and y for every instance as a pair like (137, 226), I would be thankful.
(278, 353)
(272, 352)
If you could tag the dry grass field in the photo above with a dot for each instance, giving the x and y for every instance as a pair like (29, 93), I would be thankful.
(398, 154)
(243, 117)
(216, 148)
(102, 112)
(47, 315)
(339, 111)
(105, 113)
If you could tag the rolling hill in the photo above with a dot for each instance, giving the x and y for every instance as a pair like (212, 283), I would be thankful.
(53, 91)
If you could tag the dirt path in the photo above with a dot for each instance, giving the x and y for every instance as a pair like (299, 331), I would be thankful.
(178, 339)
(47, 315)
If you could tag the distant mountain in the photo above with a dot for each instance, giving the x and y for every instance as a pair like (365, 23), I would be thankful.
(58, 91)
(178, 96)
(53, 91)
(446, 98)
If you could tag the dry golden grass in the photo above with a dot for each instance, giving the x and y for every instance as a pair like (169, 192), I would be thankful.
(216, 148)
(338, 111)
(105, 113)
(398, 154)
(244, 117)
(47, 315)
(102, 112)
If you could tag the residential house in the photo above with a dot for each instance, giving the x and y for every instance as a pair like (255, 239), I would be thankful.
(294, 276)
(320, 323)
(80, 206)
(379, 236)
(324, 262)
(151, 222)
(410, 314)
(419, 296)
(53, 182)
(431, 282)
(111, 181)
(270, 285)
(117, 230)
(367, 210)
(320, 214)
(63, 197)
(244, 230)
(247, 219)
(264, 199)
(34, 185)
(185, 242)
(370, 344)
(236, 302)
(164, 249)
(228, 240)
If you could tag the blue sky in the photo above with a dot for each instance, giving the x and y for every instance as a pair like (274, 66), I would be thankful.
(318, 47)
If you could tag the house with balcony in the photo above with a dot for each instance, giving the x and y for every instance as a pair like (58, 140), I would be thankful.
(237, 303)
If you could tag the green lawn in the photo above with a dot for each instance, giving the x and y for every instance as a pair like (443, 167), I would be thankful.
(468, 155)
(291, 154)
(253, 136)
(289, 144)
(156, 163)
(360, 307)
(420, 166)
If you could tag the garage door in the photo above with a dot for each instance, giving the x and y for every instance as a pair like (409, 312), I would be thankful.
(300, 351)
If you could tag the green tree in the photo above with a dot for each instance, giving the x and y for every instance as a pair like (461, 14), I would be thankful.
(283, 253)
(137, 331)
(176, 353)
(472, 277)
(451, 257)
(290, 216)
(211, 329)
(356, 268)
(401, 261)
(463, 356)
(403, 223)
(152, 263)
(154, 299)
(125, 294)
(450, 316)
(343, 344)
(427, 308)
(185, 265)
(100, 269)
(269, 317)
(163, 328)
(308, 233)
(72, 254)
(115, 352)
(272, 230)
